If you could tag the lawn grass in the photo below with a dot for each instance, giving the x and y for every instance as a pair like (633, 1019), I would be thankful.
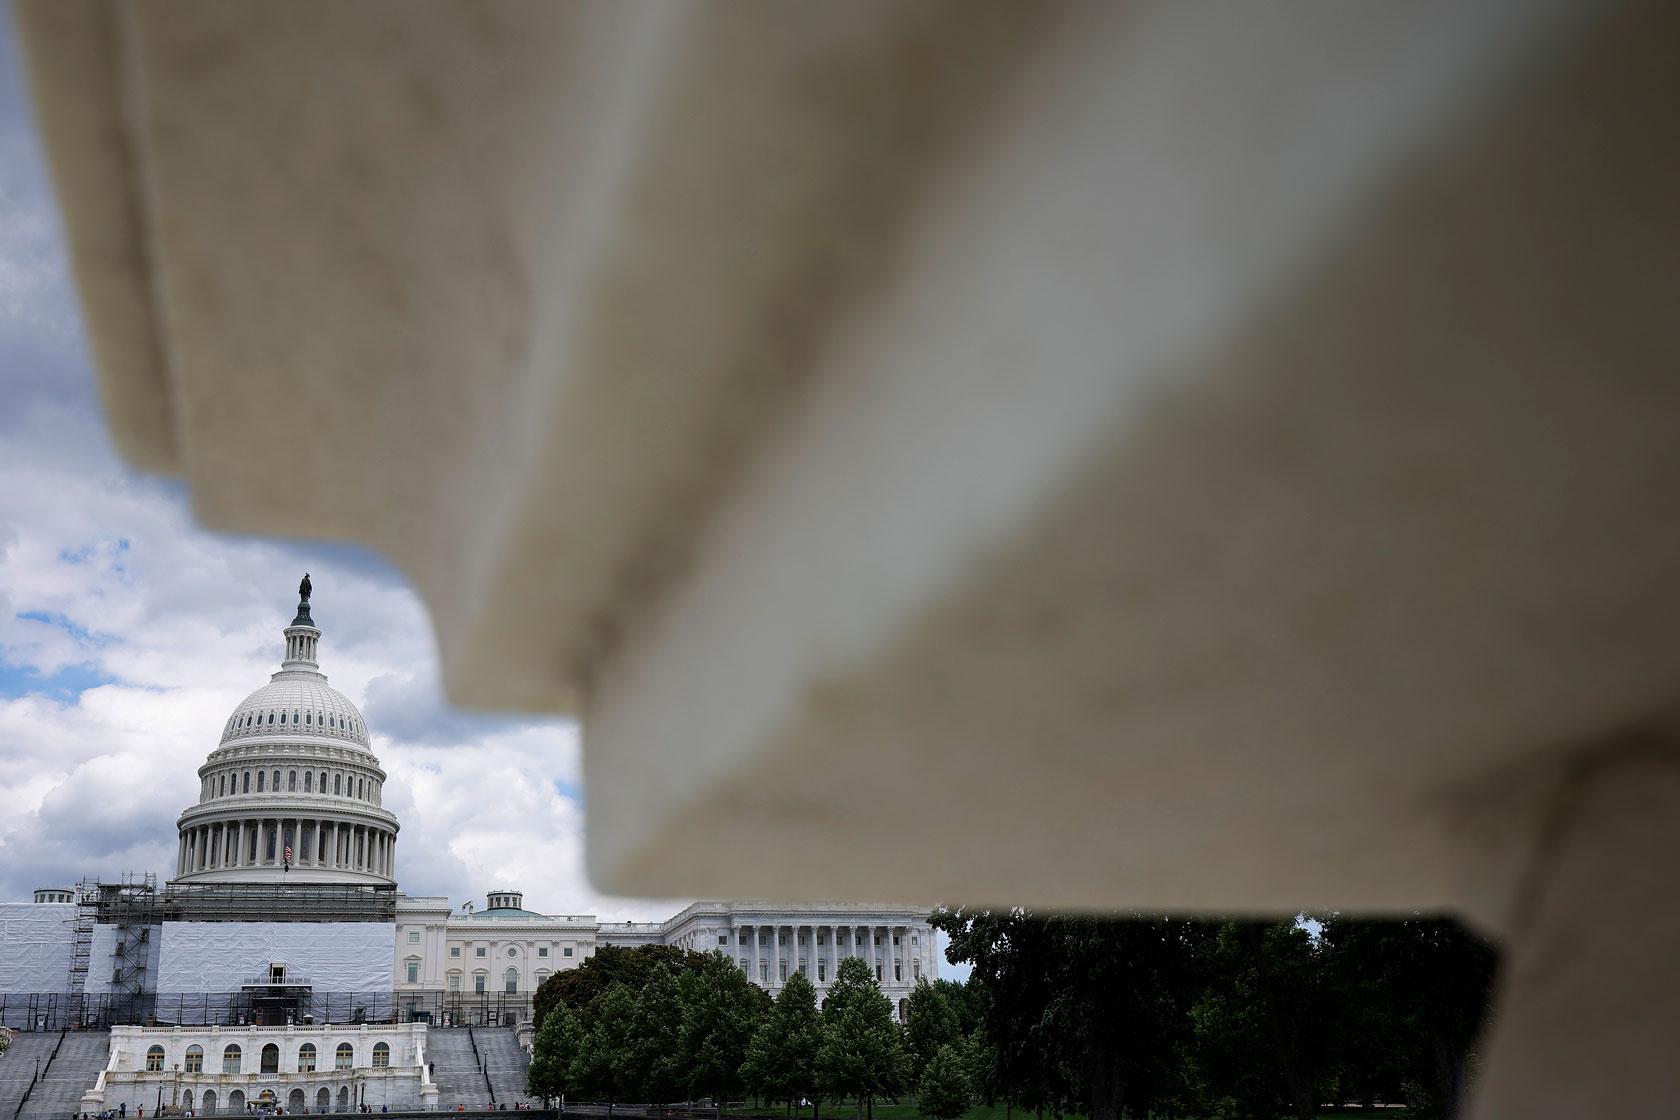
(848, 1111)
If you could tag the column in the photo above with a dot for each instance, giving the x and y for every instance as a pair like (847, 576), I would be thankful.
(752, 964)
(239, 856)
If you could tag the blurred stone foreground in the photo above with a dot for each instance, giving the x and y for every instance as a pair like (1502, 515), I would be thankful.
(1089, 455)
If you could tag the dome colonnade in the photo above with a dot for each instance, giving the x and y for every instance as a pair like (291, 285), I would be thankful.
(295, 769)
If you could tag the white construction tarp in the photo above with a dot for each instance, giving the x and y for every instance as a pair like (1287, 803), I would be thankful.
(35, 943)
(330, 956)
(137, 950)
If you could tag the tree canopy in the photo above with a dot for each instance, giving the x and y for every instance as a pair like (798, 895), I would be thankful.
(1242, 1019)
(781, 1063)
(580, 987)
(863, 1053)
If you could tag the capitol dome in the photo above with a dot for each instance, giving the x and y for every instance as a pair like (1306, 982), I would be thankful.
(292, 792)
(298, 701)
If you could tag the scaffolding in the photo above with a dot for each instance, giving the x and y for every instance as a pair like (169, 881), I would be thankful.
(130, 902)
(245, 902)
(81, 945)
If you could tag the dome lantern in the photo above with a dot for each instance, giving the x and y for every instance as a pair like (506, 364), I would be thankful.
(301, 636)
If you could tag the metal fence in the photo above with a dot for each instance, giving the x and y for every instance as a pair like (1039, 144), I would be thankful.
(53, 1011)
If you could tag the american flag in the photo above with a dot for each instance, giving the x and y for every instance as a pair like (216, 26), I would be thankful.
(288, 853)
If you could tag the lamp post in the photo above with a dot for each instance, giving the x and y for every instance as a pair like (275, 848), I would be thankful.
(175, 1100)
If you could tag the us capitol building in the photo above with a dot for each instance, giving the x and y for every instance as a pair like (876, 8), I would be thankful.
(282, 964)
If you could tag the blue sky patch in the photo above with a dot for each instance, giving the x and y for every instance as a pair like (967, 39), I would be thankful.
(82, 636)
(66, 685)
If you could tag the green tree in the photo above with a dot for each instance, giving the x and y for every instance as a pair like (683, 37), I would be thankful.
(605, 1062)
(1429, 981)
(580, 987)
(1264, 1021)
(1083, 1013)
(943, 1091)
(863, 1052)
(930, 1024)
(781, 1063)
(966, 1001)
(721, 1012)
(553, 1053)
(654, 1061)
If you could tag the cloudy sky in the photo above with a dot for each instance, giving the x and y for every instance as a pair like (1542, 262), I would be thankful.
(128, 633)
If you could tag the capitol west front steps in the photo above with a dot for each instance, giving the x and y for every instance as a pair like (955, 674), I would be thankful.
(506, 1064)
(70, 1062)
(455, 1069)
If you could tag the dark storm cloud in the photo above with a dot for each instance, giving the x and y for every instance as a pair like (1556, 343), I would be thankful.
(411, 709)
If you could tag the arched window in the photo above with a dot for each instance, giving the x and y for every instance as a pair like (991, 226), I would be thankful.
(308, 781)
(230, 1058)
(344, 1057)
(360, 792)
(259, 781)
(323, 781)
(154, 1059)
(221, 786)
(294, 717)
(282, 719)
(195, 1059)
(247, 781)
(336, 780)
(511, 979)
(271, 1058)
(308, 719)
(276, 786)
(270, 717)
(291, 781)
(306, 1058)
(381, 1055)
